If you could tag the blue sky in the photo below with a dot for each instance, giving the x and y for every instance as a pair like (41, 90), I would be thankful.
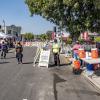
(15, 12)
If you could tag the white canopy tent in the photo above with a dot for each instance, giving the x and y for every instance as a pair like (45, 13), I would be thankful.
(3, 35)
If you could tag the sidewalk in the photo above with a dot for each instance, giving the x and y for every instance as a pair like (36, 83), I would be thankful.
(94, 80)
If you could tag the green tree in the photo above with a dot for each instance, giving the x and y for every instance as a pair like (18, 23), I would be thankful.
(97, 39)
(69, 40)
(49, 35)
(28, 36)
(97, 3)
(43, 37)
(74, 15)
(81, 41)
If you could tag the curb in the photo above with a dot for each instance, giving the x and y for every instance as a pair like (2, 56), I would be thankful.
(93, 83)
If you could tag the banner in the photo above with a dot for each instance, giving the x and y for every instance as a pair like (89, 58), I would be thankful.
(53, 35)
(85, 35)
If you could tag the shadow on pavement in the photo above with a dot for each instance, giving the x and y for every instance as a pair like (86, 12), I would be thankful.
(28, 63)
(4, 62)
(65, 64)
(97, 72)
(10, 57)
(77, 72)
(57, 79)
(50, 66)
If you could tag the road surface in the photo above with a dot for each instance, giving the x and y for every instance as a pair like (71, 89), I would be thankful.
(25, 82)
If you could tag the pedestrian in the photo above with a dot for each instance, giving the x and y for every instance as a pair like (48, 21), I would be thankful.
(75, 49)
(3, 50)
(19, 50)
(56, 51)
(6, 42)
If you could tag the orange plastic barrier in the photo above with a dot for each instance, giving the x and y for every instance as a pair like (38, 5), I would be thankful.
(76, 64)
(81, 53)
(94, 53)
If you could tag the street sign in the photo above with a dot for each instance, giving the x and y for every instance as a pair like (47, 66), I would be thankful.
(44, 58)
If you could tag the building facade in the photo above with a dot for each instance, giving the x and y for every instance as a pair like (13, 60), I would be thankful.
(13, 30)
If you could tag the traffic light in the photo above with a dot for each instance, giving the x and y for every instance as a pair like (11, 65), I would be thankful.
(54, 29)
(16, 35)
(0, 26)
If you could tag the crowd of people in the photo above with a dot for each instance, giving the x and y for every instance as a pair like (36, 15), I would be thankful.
(56, 49)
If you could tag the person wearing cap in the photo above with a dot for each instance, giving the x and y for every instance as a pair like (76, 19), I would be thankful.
(56, 50)
(75, 49)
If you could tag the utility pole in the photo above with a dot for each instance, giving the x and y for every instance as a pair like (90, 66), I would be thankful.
(61, 36)
(4, 26)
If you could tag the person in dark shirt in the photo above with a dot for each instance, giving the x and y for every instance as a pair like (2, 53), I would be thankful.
(3, 50)
(19, 50)
(98, 47)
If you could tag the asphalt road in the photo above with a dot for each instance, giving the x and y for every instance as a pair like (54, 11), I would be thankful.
(25, 82)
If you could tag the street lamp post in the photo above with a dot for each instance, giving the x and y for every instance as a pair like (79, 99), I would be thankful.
(4, 26)
(61, 36)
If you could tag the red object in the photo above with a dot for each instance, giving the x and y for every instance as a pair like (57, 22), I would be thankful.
(94, 53)
(76, 64)
(85, 35)
(53, 35)
(81, 53)
(64, 38)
